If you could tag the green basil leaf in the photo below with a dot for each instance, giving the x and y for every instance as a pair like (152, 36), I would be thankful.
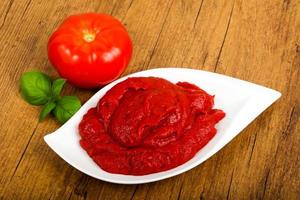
(46, 110)
(57, 86)
(66, 107)
(36, 87)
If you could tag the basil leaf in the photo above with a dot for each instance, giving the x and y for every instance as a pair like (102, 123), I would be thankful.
(66, 107)
(57, 86)
(46, 110)
(36, 87)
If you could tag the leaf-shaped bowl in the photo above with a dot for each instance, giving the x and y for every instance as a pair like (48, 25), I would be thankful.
(242, 101)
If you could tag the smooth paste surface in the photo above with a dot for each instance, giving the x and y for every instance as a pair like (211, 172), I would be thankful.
(145, 125)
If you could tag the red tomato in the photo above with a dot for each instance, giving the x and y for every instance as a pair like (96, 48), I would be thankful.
(90, 50)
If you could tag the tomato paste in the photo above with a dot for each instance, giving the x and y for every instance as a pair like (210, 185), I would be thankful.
(145, 125)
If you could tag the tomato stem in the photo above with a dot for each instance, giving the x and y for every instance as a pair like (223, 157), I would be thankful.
(89, 37)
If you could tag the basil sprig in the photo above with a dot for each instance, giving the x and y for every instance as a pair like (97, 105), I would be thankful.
(66, 107)
(37, 88)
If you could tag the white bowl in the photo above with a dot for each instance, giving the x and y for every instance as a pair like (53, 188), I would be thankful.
(242, 102)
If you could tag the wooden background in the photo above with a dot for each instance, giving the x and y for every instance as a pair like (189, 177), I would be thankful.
(258, 41)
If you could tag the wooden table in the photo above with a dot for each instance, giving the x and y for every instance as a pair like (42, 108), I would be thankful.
(258, 41)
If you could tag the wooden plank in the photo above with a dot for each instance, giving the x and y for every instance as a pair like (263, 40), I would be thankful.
(179, 45)
(254, 40)
(266, 47)
(28, 32)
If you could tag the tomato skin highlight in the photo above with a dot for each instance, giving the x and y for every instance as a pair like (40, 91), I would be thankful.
(90, 50)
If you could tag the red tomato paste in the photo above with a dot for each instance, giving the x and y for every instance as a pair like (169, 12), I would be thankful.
(147, 125)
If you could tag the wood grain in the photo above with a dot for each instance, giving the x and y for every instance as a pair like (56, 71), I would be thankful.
(254, 40)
